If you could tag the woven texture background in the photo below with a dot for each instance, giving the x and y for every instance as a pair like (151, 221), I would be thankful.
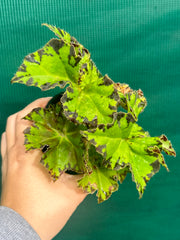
(136, 42)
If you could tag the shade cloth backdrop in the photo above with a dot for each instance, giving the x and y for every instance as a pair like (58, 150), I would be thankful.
(136, 42)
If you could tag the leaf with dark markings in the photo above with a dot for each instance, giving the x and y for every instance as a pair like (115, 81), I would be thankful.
(58, 138)
(91, 100)
(98, 178)
(65, 36)
(56, 64)
(124, 143)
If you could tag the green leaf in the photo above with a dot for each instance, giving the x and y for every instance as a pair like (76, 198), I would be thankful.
(59, 139)
(98, 178)
(91, 101)
(56, 64)
(124, 143)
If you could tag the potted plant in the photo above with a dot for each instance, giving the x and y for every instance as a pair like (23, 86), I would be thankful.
(82, 130)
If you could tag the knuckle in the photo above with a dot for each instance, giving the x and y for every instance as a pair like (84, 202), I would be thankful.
(18, 116)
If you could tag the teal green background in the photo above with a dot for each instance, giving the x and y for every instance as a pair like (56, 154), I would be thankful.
(133, 41)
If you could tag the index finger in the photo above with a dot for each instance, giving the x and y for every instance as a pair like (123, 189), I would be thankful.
(41, 102)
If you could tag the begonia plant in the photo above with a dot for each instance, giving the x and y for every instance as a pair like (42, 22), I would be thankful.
(84, 132)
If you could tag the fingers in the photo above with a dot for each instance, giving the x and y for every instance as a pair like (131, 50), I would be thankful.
(41, 102)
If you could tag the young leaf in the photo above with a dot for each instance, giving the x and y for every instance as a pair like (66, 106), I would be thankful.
(124, 143)
(133, 101)
(92, 100)
(136, 103)
(65, 36)
(98, 178)
(57, 137)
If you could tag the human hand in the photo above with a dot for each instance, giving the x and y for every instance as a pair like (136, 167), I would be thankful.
(27, 187)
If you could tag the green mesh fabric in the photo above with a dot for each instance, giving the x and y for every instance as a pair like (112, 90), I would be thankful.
(136, 42)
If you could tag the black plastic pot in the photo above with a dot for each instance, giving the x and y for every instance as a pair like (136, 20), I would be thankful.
(53, 101)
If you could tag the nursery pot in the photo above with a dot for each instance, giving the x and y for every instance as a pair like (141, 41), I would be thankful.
(53, 101)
